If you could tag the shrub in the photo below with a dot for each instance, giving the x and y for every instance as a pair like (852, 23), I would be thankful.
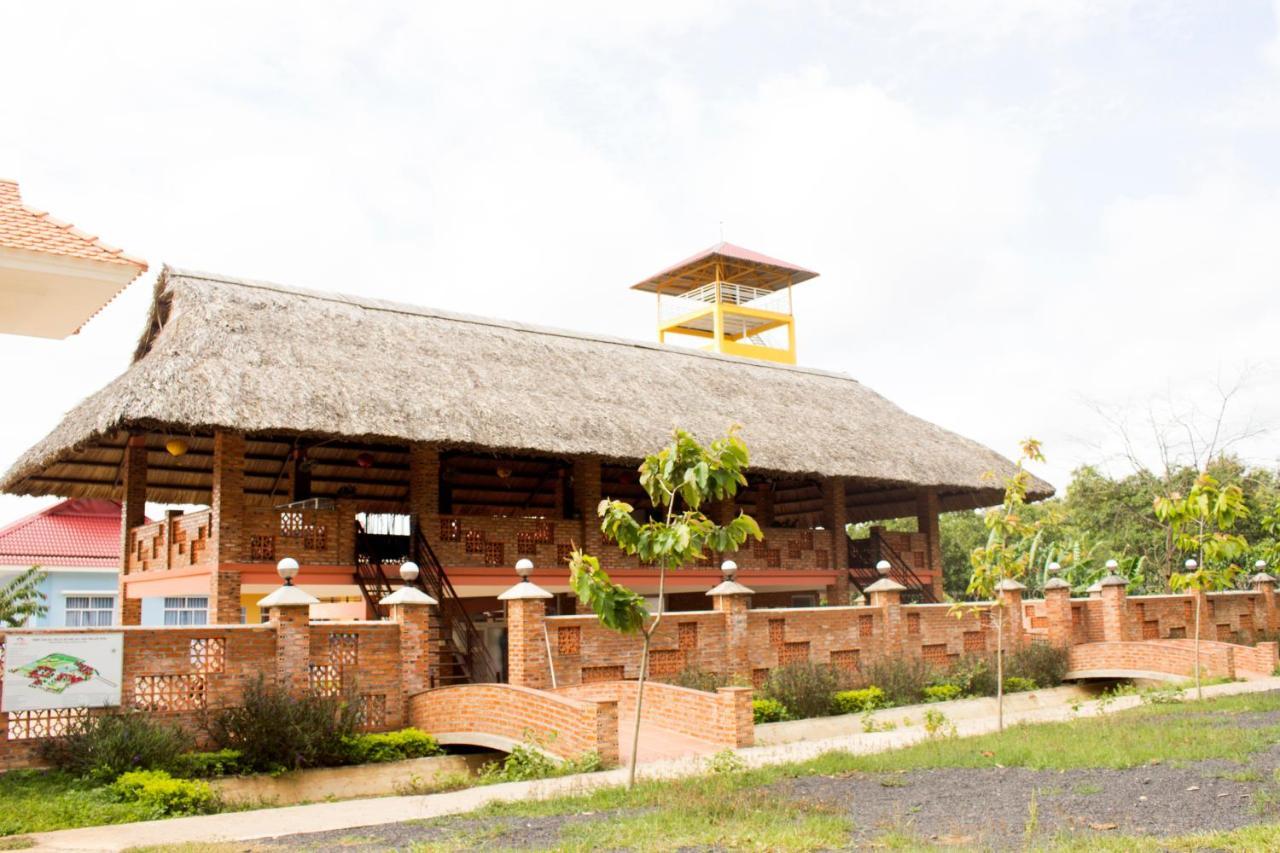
(805, 688)
(903, 680)
(857, 701)
(102, 747)
(973, 675)
(696, 678)
(941, 692)
(390, 746)
(768, 711)
(163, 794)
(1018, 684)
(1040, 662)
(274, 730)
(208, 765)
(527, 762)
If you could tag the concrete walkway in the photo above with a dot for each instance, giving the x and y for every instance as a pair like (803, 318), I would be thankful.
(351, 814)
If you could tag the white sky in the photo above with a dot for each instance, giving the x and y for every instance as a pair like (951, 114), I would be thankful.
(1020, 209)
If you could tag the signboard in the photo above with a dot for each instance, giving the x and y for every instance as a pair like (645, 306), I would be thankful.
(62, 671)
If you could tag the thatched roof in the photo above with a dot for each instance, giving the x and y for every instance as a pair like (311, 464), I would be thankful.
(274, 361)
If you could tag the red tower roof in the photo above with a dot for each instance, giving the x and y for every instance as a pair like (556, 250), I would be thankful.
(738, 265)
(78, 532)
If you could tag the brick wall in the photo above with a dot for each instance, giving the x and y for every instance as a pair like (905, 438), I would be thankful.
(723, 718)
(583, 651)
(179, 672)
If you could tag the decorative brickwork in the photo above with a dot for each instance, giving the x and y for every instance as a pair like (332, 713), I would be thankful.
(372, 712)
(262, 549)
(450, 529)
(935, 654)
(344, 649)
(688, 636)
(563, 554)
(591, 674)
(494, 554)
(325, 679)
(975, 641)
(664, 663)
(526, 543)
(208, 654)
(544, 532)
(777, 632)
(474, 541)
(569, 640)
(846, 660)
(866, 625)
(793, 653)
(170, 692)
(32, 725)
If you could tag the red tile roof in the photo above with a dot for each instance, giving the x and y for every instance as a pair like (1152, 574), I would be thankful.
(773, 272)
(22, 227)
(79, 532)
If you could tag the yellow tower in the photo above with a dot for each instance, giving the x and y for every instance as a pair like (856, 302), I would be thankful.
(737, 300)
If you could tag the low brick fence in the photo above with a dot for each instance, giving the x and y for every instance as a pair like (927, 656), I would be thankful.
(723, 719)
(181, 673)
(1171, 657)
(503, 716)
(739, 642)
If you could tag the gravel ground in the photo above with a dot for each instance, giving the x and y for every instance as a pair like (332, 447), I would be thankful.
(945, 806)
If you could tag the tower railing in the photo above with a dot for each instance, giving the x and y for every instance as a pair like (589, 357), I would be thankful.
(673, 305)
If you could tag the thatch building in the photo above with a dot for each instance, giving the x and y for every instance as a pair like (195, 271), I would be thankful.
(351, 433)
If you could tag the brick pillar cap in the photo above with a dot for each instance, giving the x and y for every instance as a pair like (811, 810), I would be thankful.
(1056, 583)
(288, 596)
(1112, 580)
(1262, 577)
(1010, 585)
(730, 588)
(885, 585)
(735, 689)
(524, 591)
(408, 595)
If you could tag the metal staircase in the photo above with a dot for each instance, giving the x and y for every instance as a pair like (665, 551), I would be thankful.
(462, 654)
(864, 554)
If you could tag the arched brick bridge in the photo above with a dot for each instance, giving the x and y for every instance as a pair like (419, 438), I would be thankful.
(570, 721)
(1170, 660)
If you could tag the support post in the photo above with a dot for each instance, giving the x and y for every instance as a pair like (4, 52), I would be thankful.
(1265, 585)
(424, 485)
(527, 662)
(733, 601)
(133, 512)
(1010, 601)
(586, 499)
(414, 612)
(1057, 606)
(293, 646)
(1114, 606)
(927, 510)
(226, 531)
(836, 515)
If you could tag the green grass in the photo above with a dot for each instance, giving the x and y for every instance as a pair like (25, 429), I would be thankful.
(37, 801)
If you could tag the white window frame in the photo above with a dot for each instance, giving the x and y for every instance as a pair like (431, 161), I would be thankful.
(184, 611)
(69, 596)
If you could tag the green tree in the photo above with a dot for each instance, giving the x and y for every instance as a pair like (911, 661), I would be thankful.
(678, 479)
(1202, 524)
(21, 598)
(1006, 555)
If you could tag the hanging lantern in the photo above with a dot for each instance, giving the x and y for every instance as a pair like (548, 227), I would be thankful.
(504, 473)
(176, 447)
(365, 460)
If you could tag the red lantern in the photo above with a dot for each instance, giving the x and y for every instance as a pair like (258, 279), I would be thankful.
(365, 460)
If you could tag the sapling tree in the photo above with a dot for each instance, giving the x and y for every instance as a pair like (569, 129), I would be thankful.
(21, 598)
(679, 479)
(1202, 523)
(1006, 554)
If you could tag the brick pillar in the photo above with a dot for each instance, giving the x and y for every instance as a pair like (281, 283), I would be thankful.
(293, 646)
(527, 664)
(734, 723)
(886, 595)
(838, 591)
(586, 499)
(927, 509)
(1010, 599)
(224, 596)
(606, 722)
(226, 528)
(133, 512)
(1265, 585)
(1114, 606)
(835, 515)
(424, 487)
(733, 600)
(1057, 609)
(419, 647)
